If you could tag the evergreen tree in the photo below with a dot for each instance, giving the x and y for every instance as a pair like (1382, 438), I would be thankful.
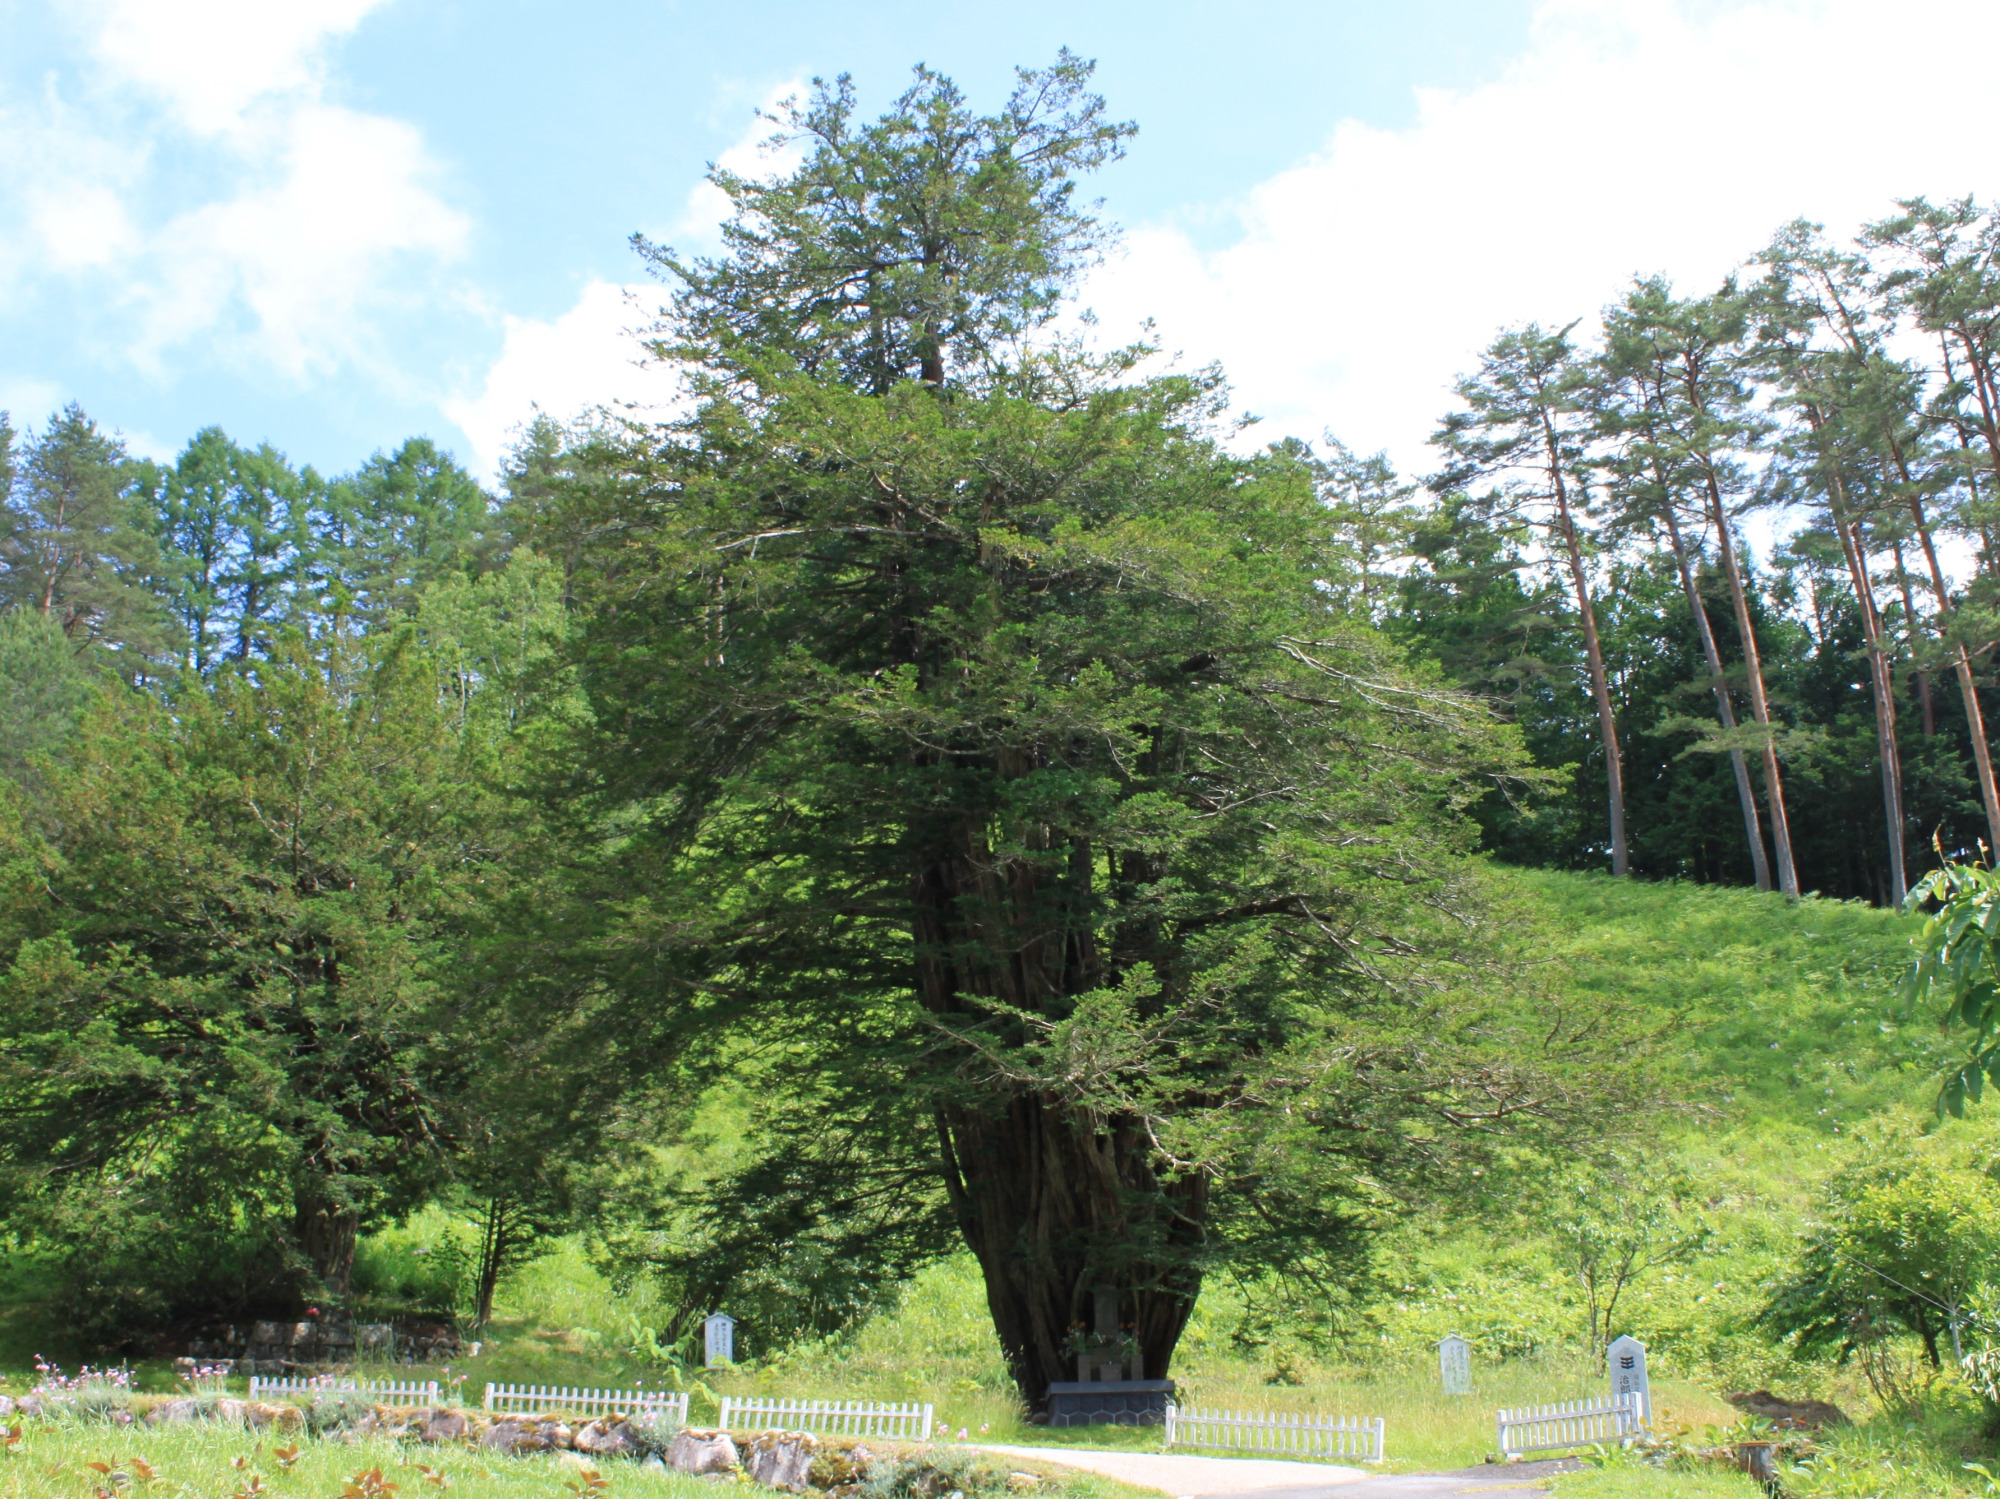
(1522, 427)
(971, 730)
(70, 547)
(1706, 419)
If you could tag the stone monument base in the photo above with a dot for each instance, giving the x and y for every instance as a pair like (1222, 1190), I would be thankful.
(1110, 1402)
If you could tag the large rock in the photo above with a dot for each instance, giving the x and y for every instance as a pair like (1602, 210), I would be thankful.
(184, 1408)
(702, 1452)
(375, 1338)
(609, 1436)
(527, 1434)
(841, 1462)
(442, 1426)
(1789, 1415)
(262, 1413)
(781, 1459)
(31, 1405)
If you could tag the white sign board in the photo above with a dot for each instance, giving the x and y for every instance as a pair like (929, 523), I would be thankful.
(1625, 1361)
(718, 1336)
(1455, 1364)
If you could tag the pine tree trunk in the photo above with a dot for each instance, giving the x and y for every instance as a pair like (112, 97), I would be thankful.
(1774, 787)
(1883, 683)
(1925, 706)
(1600, 687)
(1968, 689)
(1746, 794)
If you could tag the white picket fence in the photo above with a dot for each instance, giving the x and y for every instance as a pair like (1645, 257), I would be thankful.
(848, 1418)
(1277, 1431)
(502, 1398)
(1570, 1423)
(422, 1391)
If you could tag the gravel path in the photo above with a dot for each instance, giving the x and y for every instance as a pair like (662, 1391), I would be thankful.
(1188, 1477)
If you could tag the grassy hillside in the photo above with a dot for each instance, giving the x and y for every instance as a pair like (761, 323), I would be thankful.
(1774, 1029)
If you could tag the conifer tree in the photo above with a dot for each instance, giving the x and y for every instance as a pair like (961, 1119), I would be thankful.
(1705, 420)
(968, 728)
(1523, 428)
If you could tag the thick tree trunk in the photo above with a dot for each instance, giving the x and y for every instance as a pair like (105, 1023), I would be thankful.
(328, 1233)
(1054, 1199)
(1774, 787)
(1746, 794)
(1054, 1204)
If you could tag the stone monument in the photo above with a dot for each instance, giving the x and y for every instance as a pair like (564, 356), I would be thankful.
(1110, 1388)
(1625, 1361)
(1455, 1364)
(718, 1340)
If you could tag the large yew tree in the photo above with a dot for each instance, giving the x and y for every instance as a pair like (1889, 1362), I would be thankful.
(976, 765)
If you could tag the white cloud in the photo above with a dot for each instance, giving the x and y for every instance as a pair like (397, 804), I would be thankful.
(303, 252)
(1632, 136)
(211, 59)
(28, 403)
(565, 366)
(308, 221)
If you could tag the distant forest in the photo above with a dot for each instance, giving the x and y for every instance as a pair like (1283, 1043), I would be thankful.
(1812, 720)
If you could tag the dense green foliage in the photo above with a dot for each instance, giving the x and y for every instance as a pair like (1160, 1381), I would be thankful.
(943, 793)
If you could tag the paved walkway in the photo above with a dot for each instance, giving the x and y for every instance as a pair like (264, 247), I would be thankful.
(1187, 1477)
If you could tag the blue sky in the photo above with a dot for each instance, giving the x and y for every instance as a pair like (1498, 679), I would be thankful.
(333, 223)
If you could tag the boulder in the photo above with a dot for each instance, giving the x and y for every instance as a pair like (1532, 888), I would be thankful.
(270, 1333)
(184, 1408)
(375, 1337)
(442, 1426)
(225, 1410)
(526, 1434)
(1789, 1415)
(31, 1405)
(610, 1436)
(1759, 1460)
(262, 1413)
(702, 1452)
(781, 1459)
(841, 1464)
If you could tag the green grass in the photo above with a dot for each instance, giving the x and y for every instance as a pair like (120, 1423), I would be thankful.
(1710, 1481)
(1780, 1040)
(197, 1459)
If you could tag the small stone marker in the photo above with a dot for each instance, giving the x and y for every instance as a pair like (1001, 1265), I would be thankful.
(718, 1337)
(1455, 1364)
(1625, 1360)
